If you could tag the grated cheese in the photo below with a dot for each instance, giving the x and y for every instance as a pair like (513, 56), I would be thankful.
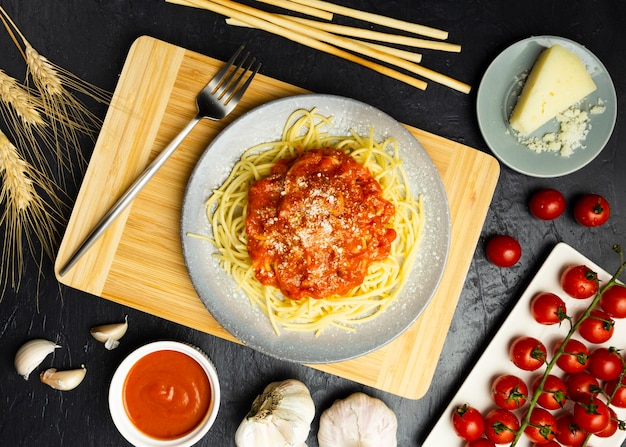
(573, 127)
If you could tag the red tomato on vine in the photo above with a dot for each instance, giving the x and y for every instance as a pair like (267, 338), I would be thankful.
(605, 363)
(613, 301)
(579, 281)
(548, 308)
(617, 389)
(581, 386)
(598, 328)
(575, 357)
(567, 432)
(593, 416)
(528, 353)
(468, 422)
(481, 442)
(501, 425)
(509, 392)
(554, 392)
(541, 426)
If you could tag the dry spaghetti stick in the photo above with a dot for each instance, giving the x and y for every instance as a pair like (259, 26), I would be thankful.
(304, 9)
(320, 38)
(380, 37)
(251, 16)
(375, 18)
(408, 55)
(351, 45)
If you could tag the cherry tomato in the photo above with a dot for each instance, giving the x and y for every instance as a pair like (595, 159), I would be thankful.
(541, 426)
(613, 301)
(610, 429)
(575, 357)
(581, 386)
(548, 308)
(567, 432)
(592, 210)
(579, 281)
(503, 250)
(509, 392)
(592, 416)
(528, 353)
(547, 444)
(501, 425)
(619, 395)
(468, 422)
(547, 204)
(597, 328)
(554, 394)
(481, 442)
(605, 363)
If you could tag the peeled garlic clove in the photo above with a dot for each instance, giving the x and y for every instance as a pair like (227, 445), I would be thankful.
(63, 380)
(31, 354)
(110, 334)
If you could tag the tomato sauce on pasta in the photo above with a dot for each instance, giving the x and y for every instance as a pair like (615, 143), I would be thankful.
(316, 224)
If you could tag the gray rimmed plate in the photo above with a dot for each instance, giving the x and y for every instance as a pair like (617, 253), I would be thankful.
(232, 309)
(498, 93)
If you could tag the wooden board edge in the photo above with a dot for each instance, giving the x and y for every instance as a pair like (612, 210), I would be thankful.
(97, 261)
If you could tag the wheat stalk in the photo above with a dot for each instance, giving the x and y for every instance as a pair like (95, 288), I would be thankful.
(26, 213)
(42, 116)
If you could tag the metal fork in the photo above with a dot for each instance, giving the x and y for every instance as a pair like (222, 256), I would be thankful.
(216, 100)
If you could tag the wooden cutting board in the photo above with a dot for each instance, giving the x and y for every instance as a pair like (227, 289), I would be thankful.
(139, 263)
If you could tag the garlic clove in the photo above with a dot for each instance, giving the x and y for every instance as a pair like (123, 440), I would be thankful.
(63, 380)
(31, 354)
(110, 334)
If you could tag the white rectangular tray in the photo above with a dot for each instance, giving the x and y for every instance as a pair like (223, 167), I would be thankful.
(494, 361)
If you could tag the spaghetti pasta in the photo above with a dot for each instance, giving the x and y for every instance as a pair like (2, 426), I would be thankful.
(226, 212)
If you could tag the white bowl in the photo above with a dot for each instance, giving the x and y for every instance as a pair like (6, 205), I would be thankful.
(116, 401)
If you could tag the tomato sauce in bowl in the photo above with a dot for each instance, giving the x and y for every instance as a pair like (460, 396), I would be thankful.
(164, 393)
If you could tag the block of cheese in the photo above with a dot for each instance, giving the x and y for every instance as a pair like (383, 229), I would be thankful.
(558, 80)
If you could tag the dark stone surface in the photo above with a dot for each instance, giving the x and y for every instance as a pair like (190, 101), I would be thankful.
(91, 38)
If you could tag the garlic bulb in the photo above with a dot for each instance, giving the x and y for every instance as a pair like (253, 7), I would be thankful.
(358, 421)
(280, 417)
(63, 380)
(31, 354)
(110, 334)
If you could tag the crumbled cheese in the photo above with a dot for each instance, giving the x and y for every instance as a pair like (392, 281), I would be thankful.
(598, 109)
(573, 127)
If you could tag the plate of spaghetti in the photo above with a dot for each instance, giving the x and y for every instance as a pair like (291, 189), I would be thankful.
(315, 228)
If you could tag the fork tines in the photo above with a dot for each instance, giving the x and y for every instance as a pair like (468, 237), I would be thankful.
(228, 81)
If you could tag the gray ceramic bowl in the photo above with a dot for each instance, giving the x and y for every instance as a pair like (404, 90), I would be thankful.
(232, 309)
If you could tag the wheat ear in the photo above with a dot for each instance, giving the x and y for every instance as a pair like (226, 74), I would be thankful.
(26, 106)
(17, 188)
(26, 217)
